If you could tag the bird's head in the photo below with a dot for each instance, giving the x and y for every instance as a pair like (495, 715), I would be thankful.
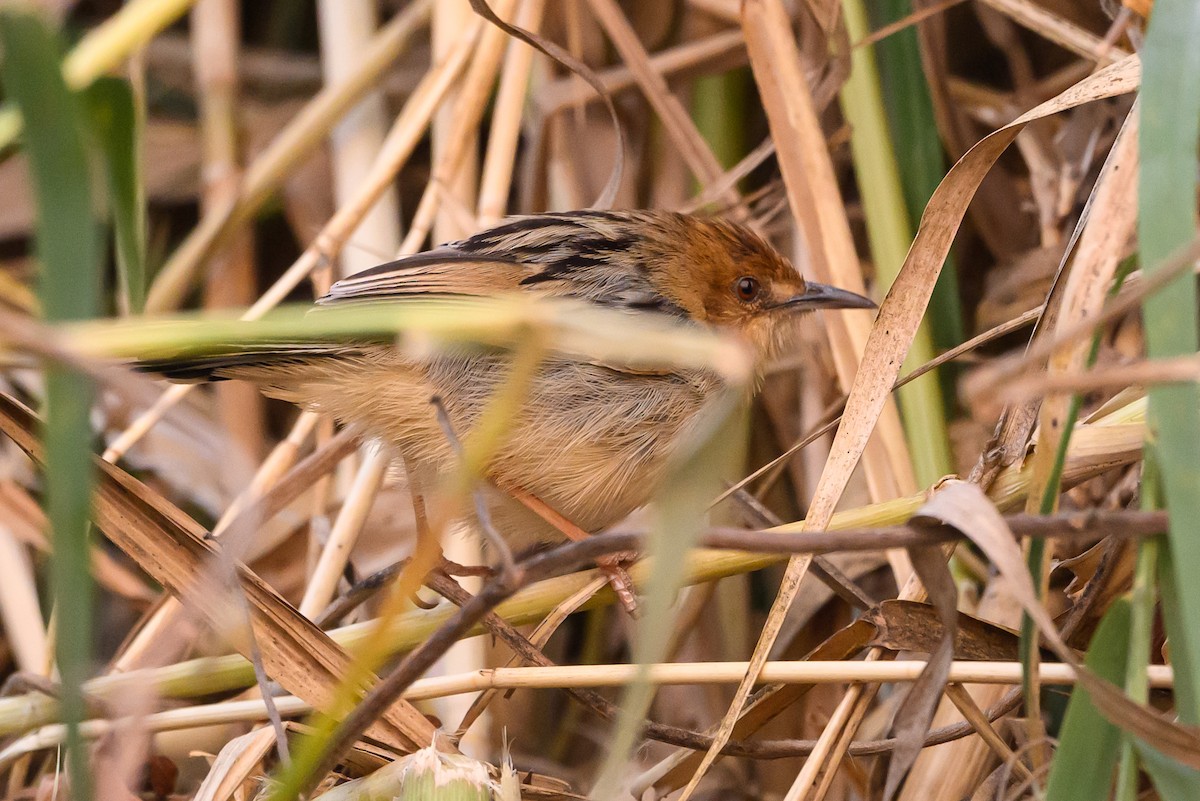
(725, 275)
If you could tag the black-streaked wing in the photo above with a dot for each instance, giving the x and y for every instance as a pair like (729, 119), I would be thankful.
(437, 273)
(572, 249)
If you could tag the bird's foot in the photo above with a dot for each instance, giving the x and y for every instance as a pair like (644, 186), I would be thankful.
(615, 567)
(612, 565)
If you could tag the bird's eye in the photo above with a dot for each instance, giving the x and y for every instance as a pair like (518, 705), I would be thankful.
(747, 288)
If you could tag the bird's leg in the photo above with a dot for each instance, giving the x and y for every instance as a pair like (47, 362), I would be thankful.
(612, 565)
(424, 533)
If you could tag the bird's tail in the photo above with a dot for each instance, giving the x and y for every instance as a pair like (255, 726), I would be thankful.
(243, 362)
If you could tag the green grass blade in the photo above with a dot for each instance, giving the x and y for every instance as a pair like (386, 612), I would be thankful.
(919, 155)
(1088, 743)
(1167, 221)
(679, 516)
(117, 130)
(719, 107)
(1172, 781)
(68, 250)
(1142, 601)
(890, 233)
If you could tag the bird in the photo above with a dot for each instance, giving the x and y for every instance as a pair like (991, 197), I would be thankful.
(592, 440)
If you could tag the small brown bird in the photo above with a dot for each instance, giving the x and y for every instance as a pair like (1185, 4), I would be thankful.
(592, 440)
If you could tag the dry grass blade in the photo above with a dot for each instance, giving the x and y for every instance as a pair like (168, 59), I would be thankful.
(1059, 30)
(915, 713)
(690, 56)
(20, 615)
(675, 119)
(346, 28)
(457, 138)
(306, 132)
(1110, 222)
(495, 184)
(172, 549)
(1179, 370)
(335, 554)
(962, 699)
(542, 45)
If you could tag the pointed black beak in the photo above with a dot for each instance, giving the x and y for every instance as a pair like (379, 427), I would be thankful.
(823, 296)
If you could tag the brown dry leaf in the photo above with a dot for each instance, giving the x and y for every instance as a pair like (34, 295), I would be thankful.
(173, 549)
(964, 506)
(893, 332)
(902, 309)
(914, 626)
(1108, 223)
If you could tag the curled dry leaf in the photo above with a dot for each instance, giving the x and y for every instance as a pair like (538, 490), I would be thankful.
(893, 332)
(965, 507)
(240, 761)
(913, 626)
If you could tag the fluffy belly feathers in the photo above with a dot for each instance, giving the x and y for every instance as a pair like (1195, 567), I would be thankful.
(590, 452)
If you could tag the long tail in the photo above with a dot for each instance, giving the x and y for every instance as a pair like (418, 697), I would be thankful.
(244, 362)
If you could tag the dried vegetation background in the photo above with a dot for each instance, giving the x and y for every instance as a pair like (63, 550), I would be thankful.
(280, 145)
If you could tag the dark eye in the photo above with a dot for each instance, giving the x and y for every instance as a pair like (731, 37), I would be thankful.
(747, 288)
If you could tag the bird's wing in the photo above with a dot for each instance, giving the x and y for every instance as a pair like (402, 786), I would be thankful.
(565, 253)
(442, 272)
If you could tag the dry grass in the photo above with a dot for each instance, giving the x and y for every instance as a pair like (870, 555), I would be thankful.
(283, 149)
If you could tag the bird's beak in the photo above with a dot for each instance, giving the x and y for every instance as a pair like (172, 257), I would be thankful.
(823, 296)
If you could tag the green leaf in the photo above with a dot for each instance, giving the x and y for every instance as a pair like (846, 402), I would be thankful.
(1174, 782)
(919, 155)
(1167, 222)
(680, 511)
(117, 130)
(889, 232)
(68, 250)
(1088, 743)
